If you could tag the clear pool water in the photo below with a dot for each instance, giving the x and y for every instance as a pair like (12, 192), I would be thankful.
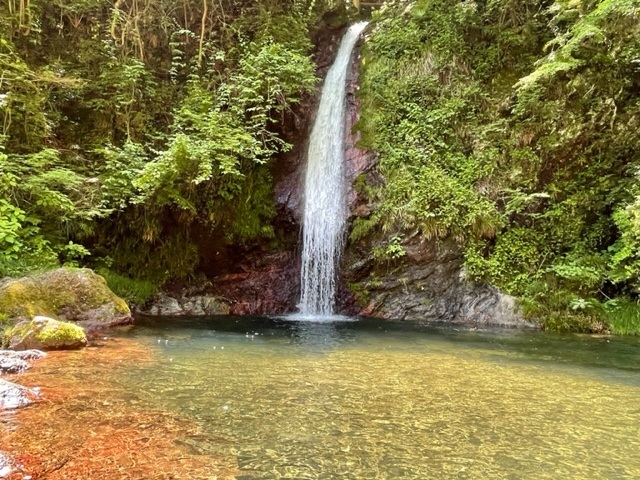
(261, 398)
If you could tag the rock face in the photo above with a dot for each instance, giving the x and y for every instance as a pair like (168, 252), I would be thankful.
(43, 333)
(358, 161)
(176, 305)
(73, 294)
(427, 284)
(17, 362)
(265, 284)
(261, 283)
(290, 169)
(266, 280)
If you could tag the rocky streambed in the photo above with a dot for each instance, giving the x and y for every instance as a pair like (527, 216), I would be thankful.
(60, 309)
(13, 395)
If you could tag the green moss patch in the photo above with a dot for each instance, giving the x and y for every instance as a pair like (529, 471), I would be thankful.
(63, 332)
(45, 333)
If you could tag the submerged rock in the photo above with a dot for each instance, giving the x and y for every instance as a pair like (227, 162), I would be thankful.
(12, 365)
(17, 362)
(72, 294)
(14, 396)
(45, 333)
(5, 465)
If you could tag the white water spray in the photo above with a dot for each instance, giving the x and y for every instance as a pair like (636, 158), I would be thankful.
(325, 209)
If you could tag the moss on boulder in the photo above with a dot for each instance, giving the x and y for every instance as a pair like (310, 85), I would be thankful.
(72, 294)
(45, 333)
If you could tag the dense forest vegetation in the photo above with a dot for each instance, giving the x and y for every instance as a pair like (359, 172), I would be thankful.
(514, 127)
(129, 126)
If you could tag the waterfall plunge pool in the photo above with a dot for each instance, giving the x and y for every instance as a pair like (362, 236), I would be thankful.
(258, 398)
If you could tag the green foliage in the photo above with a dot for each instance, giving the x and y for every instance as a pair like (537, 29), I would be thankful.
(122, 167)
(59, 333)
(11, 218)
(412, 114)
(559, 309)
(394, 250)
(134, 291)
(516, 258)
(156, 259)
(71, 255)
(125, 126)
(513, 127)
(361, 227)
(625, 252)
(43, 203)
(623, 316)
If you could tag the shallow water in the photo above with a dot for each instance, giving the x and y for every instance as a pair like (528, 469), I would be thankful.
(271, 398)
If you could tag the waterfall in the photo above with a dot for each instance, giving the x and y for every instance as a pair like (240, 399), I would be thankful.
(325, 209)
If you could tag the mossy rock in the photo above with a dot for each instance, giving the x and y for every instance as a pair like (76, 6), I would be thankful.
(72, 294)
(43, 333)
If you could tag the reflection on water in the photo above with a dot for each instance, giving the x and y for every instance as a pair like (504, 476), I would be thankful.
(271, 398)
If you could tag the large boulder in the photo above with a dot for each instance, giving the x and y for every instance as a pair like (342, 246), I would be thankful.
(43, 333)
(72, 294)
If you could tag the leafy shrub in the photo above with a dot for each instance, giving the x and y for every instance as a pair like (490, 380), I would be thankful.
(623, 316)
(124, 127)
(512, 127)
(134, 291)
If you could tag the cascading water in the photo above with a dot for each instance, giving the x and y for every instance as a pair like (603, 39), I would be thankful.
(325, 210)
